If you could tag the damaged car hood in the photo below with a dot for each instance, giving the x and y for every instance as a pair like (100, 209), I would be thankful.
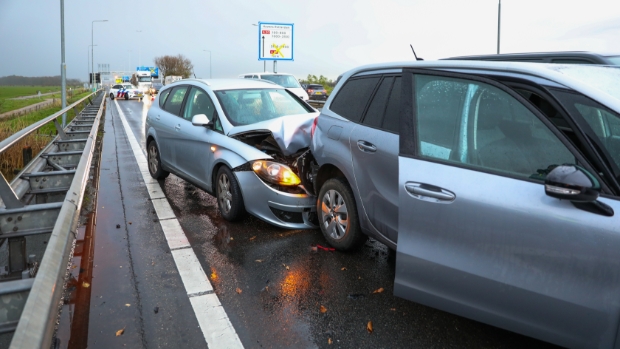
(291, 132)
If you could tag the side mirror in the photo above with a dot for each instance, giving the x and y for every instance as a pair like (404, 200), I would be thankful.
(201, 120)
(573, 183)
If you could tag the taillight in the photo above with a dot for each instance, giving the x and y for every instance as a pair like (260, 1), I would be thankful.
(310, 90)
(316, 120)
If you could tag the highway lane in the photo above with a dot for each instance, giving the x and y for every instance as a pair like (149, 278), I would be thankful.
(273, 287)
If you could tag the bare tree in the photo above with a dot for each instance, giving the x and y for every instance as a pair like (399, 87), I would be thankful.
(174, 65)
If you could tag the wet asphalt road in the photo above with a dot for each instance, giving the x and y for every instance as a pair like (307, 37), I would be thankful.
(272, 286)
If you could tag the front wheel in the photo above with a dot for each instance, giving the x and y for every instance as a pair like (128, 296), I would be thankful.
(154, 162)
(126, 96)
(112, 96)
(228, 195)
(338, 217)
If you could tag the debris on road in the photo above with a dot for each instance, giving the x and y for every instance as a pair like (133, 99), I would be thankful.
(379, 290)
(329, 341)
(369, 327)
(325, 248)
(156, 310)
(355, 296)
(120, 332)
(323, 310)
(343, 268)
(239, 290)
(118, 226)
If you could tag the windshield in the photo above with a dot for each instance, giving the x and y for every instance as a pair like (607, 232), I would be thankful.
(287, 81)
(244, 107)
(603, 78)
(144, 79)
(128, 86)
(615, 60)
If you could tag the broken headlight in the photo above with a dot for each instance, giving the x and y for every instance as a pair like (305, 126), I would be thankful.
(276, 173)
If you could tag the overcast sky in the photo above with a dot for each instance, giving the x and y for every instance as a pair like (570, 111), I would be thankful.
(330, 36)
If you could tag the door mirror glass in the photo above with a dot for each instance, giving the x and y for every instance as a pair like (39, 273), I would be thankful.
(572, 182)
(200, 120)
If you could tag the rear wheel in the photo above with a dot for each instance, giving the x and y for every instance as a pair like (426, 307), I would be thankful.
(338, 217)
(154, 162)
(228, 195)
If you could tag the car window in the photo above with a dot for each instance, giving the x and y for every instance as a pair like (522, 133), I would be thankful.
(117, 87)
(244, 107)
(570, 61)
(351, 99)
(392, 112)
(198, 102)
(283, 80)
(374, 114)
(162, 97)
(483, 127)
(175, 100)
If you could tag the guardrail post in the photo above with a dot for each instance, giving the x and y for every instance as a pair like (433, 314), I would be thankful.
(61, 132)
(8, 195)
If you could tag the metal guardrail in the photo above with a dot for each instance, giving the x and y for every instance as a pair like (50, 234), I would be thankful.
(316, 104)
(45, 197)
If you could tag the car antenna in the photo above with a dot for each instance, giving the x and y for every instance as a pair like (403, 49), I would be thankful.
(414, 55)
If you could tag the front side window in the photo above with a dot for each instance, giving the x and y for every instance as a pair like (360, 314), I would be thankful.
(163, 96)
(175, 100)
(198, 102)
(244, 107)
(352, 97)
(483, 127)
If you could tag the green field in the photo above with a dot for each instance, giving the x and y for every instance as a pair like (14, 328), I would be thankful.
(8, 92)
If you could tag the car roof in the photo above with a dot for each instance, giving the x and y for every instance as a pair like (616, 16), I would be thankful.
(600, 58)
(267, 73)
(229, 84)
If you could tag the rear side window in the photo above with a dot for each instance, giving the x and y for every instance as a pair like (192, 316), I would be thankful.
(162, 97)
(392, 112)
(175, 100)
(374, 115)
(352, 97)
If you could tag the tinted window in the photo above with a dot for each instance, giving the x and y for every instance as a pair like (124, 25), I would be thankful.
(392, 112)
(163, 96)
(374, 114)
(570, 61)
(198, 102)
(351, 99)
(483, 127)
(175, 100)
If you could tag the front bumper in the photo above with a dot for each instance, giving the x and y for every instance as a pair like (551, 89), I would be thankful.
(285, 210)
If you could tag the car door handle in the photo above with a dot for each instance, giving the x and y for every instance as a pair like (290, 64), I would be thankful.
(366, 146)
(426, 191)
(157, 118)
(177, 127)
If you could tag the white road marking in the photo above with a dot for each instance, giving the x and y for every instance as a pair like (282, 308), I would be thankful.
(211, 316)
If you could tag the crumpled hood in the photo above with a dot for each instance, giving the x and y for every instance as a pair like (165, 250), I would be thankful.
(291, 132)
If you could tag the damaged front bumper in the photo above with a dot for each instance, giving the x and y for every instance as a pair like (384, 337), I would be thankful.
(285, 210)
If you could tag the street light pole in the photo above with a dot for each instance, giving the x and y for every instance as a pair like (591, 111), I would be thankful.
(63, 66)
(139, 49)
(92, 52)
(499, 21)
(88, 63)
(209, 63)
(264, 61)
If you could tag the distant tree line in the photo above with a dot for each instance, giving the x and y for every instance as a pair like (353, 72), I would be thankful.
(16, 80)
(174, 66)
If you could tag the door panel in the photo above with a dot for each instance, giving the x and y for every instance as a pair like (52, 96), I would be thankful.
(506, 254)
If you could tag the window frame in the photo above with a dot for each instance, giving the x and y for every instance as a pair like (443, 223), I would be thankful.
(372, 94)
(408, 146)
(372, 97)
(186, 99)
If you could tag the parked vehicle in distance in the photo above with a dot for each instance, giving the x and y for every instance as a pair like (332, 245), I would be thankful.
(126, 91)
(155, 88)
(316, 92)
(240, 141)
(285, 80)
(497, 183)
(142, 80)
(171, 78)
(561, 57)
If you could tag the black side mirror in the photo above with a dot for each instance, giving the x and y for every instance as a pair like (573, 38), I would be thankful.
(573, 183)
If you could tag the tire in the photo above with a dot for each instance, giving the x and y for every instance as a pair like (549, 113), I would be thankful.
(112, 96)
(126, 96)
(228, 195)
(338, 218)
(154, 162)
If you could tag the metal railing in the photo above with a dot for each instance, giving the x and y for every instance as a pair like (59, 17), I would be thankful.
(44, 200)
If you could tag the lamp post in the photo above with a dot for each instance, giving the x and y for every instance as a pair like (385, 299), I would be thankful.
(499, 19)
(92, 53)
(63, 65)
(209, 63)
(139, 49)
(90, 80)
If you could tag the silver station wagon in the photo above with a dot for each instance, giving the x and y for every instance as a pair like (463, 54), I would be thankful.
(498, 185)
(239, 140)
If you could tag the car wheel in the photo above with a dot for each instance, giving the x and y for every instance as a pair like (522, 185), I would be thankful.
(154, 162)
(338, 217)
(112, 96)
(126, 96)
(228, 195)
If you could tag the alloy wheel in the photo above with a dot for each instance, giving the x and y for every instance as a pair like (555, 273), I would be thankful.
(334, 215)
(224, 195)
(153, 162)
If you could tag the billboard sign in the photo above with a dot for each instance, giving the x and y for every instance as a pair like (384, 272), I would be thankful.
(275, 41)
(154, 70)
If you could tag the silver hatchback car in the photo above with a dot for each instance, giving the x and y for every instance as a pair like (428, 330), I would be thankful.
(497, 184)
(239, 140)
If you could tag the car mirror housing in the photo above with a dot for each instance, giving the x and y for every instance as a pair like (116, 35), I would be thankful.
(573, 183)
(201, 120)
